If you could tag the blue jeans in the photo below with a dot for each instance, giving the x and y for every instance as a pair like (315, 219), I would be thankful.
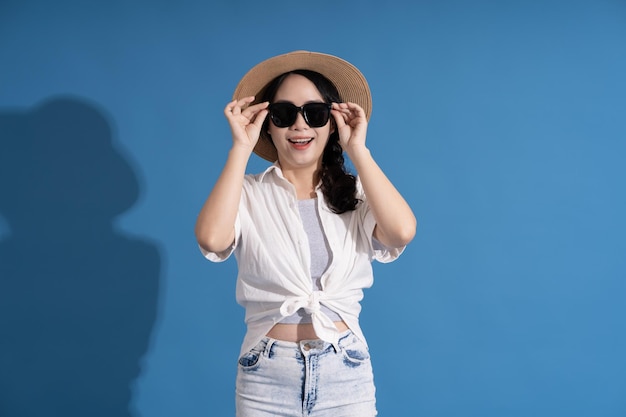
(310, 378)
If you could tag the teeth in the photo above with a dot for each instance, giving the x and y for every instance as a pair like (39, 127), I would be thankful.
(300, 141)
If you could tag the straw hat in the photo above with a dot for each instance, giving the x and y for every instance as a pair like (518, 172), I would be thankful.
(349, 81)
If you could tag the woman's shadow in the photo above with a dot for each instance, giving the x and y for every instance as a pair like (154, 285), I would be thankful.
(78, 298)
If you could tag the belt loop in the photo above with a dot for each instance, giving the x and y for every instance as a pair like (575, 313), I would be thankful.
(341, 339)
(268, 347)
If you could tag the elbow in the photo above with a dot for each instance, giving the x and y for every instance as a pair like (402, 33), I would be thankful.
(212, 246)
(211, 242)
(405, 234)
(400, 236)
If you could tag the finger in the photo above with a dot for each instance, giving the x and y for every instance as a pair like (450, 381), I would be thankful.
(252, 111)
(351, 107)
(258, 106)
(340, 118)
(354, 113)
(355, 106)
(347, 113)
(235, 107)
(243, 102)
(341, 107)
(260, 118)
(228, 110)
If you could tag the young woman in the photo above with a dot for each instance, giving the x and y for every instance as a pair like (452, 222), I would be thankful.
(304, 233)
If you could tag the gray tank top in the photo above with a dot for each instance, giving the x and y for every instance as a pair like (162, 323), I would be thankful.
(320, 257)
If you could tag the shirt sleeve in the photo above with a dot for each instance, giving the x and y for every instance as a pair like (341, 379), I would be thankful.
(222, 256)
(380, 252)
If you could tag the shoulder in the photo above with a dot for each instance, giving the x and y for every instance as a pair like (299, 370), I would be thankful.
(267, 186)
(270, 175)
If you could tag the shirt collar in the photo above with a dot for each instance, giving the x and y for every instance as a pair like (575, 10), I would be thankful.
(271, 168)
(277, 174)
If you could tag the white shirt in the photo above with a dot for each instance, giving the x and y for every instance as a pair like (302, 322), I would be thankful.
(273, 258)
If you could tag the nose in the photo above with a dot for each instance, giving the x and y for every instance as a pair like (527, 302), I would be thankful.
(300, 123)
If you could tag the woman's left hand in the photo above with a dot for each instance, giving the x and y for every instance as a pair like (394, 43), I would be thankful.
(351, 124)
(395, 221)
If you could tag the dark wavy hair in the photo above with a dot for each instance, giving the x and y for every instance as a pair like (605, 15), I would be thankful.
(338, 185)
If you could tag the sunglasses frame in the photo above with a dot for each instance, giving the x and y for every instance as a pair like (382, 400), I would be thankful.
(299, 109)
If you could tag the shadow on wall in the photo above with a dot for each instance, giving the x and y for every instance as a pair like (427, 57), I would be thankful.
(78, 298)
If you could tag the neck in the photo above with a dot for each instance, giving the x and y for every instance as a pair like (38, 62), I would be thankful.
(304, 180)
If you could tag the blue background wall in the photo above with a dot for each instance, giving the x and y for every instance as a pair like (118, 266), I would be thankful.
(503, 123)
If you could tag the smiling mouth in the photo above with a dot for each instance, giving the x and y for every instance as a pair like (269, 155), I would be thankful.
(300, 141)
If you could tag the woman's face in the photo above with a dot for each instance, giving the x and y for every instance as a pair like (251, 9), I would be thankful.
(299, 145)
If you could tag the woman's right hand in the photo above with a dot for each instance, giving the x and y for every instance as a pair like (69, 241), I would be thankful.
(215, 227)
(246, 123)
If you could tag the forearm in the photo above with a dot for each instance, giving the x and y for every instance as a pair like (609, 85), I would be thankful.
(395, 221)
(215, 226)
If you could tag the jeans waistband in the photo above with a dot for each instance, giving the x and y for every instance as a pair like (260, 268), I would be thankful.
(275, 347)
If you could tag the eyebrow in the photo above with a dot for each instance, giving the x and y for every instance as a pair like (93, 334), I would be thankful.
(308, 102)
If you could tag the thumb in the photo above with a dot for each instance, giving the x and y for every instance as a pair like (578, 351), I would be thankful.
(339, 120)
(260, 118)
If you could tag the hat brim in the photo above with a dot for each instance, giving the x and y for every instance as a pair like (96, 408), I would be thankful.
(351, 84)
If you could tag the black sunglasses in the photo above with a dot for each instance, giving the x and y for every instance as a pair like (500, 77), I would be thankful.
(285, 114)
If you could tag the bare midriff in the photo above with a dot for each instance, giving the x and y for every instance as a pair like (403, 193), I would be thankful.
(298, 332)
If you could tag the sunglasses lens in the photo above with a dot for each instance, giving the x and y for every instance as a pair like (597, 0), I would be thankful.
(285, 114)
(316, 114)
